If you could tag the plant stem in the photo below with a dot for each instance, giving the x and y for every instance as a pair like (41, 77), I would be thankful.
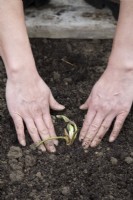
(52, 138)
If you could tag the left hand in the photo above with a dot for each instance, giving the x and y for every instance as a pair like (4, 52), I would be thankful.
(111, 98)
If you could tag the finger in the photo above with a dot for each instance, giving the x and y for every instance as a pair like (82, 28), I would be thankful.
(44, 133)
(54, 104)
(88, 120)
(33, 132)
(117, 126)
(19, 126)
(103, 130)
(92, 131)
(49, 124)
(85, 106)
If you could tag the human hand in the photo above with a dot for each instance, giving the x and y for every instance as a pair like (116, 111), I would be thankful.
(111, 98)
(28, 102)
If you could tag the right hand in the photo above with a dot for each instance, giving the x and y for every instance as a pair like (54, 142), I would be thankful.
(28, 102)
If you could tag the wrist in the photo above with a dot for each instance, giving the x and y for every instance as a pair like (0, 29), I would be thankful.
(121, 59)
(19, 64)
(23, 72)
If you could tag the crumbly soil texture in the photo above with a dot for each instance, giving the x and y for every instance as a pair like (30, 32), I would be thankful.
(103, 173)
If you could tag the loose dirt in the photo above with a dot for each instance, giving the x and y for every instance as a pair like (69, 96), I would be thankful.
(105, 172)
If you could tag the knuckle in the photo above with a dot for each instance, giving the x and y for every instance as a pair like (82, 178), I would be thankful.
(88, 139)
(33, 130)
(20, 134)
(105, 127)
(126, 109)
(82, 134)
(117, 128)
(114, 110)
(119, 124)
(19, 127)
(49, 144)
(94, 102)
(99, 137)
(95, 106)
(124, 114)
(45, 109)
(123, 111)
(115, 133)
(45, 112)
(94, 127)
(105, 108)
(86, 124)
(44, 131)
(36, 110)
(95, 142)
(49, 125)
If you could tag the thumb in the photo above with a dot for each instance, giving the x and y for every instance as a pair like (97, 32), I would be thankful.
(84, 106)
(54, 104)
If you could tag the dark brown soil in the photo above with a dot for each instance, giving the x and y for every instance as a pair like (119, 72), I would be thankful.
(104, 173)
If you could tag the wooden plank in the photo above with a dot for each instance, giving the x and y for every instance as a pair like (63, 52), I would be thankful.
(70, 19)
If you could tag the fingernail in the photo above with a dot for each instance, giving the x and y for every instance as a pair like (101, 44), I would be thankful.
(81, 107)
(56, 142)
(111, 139)
(93, 144)
(84, 145)
(52, 149)
(23, 143)
(62, 107)
(81, 139)
(43, 149)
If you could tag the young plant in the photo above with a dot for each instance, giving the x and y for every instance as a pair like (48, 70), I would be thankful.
(70, 132)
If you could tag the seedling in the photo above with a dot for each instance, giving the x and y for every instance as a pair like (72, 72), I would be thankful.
(70, 132)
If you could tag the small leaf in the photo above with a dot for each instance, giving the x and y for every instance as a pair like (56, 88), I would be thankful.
(63, 117)
(68, 142)
(65, 132)
(70, 130)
